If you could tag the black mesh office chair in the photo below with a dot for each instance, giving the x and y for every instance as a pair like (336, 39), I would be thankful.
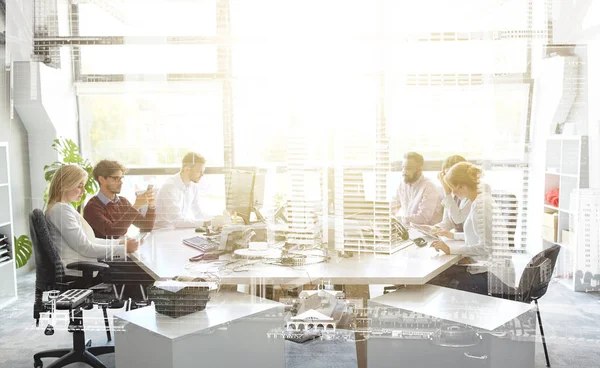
(50, 275)
(533, 284)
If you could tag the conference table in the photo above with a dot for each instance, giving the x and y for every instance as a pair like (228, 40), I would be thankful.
(163, 255)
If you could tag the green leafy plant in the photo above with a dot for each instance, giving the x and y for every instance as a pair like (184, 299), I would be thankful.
(69, 152)
(23, 250)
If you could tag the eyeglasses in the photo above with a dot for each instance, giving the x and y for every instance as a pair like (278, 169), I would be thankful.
(117, 178)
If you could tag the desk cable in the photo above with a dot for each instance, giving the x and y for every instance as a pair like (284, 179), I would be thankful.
(210, 273)
(206, 268)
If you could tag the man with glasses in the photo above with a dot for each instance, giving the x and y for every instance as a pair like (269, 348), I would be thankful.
(109, 214)
(177, 201)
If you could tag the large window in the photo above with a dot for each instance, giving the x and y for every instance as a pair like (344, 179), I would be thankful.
(151, 129)
(440, 77)
(147, 18)
(148, 59)
(439, 97)
(454, 16)
(479, 122)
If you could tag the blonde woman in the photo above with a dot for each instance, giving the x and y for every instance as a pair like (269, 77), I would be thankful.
(455, 209)
(476, 239)
(72, 235)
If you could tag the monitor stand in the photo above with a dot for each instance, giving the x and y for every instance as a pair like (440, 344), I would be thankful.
(259, 217)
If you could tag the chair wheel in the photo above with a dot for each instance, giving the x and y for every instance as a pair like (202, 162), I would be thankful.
(38, 364)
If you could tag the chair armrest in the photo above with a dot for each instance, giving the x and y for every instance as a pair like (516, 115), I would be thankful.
(87, 266)
(87, 269)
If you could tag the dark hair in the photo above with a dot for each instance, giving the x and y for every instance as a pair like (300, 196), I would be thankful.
(106, 168)
(191, 159)
(451, 161)
(415, 157)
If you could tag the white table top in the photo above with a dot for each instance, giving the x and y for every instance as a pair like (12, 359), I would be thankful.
(472, 309)
(163, 255)
(223, 307)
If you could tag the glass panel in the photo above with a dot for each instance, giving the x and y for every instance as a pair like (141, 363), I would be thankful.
(478, 122)
(212, 189)
(506, 56)
(272, 37)
(267, 113)
(288, 20)
(294, 60)
(148, 59)
(152, 129)
(213, 200)
(454, 16)
(158, 18)
(261, 119)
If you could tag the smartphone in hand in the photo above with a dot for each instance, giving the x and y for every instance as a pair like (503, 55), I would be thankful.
(140, 192)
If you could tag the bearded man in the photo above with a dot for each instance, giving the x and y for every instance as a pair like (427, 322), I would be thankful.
(418, 200)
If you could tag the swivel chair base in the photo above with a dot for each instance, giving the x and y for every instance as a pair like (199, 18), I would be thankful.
(79, 353)
(69, 356)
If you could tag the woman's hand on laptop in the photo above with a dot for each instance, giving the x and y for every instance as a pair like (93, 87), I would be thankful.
(441, 232)
(440, 245)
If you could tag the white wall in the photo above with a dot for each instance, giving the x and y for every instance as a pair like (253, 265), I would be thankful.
(19, 41)
(43, 96)
(594, 111)
(19, 172)
(58, 96)
(578, 22)
(575, 22)
(19, 29)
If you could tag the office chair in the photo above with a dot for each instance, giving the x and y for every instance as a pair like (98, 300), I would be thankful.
(50, 275)
(533, 284)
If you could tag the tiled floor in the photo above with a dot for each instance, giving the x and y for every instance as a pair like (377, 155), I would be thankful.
(571, 321)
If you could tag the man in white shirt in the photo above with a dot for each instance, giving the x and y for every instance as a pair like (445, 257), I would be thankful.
(417, 200)
(177, 201)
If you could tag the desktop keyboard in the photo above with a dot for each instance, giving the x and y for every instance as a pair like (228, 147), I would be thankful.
(201, 243)
(72, 298)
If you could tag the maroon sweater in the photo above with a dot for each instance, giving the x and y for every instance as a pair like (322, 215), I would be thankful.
(113, 219)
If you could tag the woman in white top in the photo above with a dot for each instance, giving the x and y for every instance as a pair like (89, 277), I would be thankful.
(476, 238)
(72, 235)
(456, 210)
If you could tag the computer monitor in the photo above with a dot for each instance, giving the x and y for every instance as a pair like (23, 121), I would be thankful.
(240, 196)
